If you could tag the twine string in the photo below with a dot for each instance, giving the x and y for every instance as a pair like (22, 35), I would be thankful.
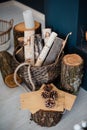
(30, 79)
(29, 75)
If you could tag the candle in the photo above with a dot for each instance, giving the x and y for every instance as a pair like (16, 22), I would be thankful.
(77, 127)
(28, 19)
(84, 124)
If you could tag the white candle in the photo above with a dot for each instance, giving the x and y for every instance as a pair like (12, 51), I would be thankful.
(77, 127)
(28, 19)
(84, 124)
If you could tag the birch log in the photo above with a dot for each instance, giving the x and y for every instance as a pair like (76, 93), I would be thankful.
(29, 46)
(71, 72)
(46, 49)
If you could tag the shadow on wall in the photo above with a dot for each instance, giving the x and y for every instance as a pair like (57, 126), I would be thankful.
(37, 5)
(3, 1)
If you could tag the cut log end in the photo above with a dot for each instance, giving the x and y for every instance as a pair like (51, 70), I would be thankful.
(9, 80)
(73, 60)
(21, 26)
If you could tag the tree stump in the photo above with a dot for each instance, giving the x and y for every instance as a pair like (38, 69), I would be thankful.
(19, 29)
(7, 67)
(46, 118)
(71, 73)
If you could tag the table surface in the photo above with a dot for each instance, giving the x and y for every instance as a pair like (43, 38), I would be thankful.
(11, 115)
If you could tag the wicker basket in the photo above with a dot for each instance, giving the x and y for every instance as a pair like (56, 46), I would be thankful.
(39, 75)
(5, 28)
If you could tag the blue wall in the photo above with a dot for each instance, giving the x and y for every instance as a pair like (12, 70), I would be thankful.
(65, 16)
(62, 16)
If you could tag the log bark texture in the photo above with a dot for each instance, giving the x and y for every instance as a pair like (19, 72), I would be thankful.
(71, 73)
(7, 67)
(19, 29)
(46, 118)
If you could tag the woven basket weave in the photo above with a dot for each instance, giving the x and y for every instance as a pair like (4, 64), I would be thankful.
(5, 28)
(39, 75)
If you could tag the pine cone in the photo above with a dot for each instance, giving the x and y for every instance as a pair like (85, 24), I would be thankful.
(45, 94)
(50, 103)
(48, 87)
(53, 94)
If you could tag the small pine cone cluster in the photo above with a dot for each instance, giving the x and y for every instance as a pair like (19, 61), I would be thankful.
(50, 95)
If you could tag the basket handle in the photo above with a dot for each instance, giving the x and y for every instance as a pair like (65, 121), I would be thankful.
(64, 43)
(29, 75)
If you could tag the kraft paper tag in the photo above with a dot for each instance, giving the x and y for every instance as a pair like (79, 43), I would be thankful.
(34, 101)
(69, 101)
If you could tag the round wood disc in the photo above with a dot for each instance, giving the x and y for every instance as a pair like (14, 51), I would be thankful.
(72, 60)
(9, 80)
(21, 27)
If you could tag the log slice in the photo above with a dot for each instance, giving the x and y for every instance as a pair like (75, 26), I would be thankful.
(7, 67)
(46, 118)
